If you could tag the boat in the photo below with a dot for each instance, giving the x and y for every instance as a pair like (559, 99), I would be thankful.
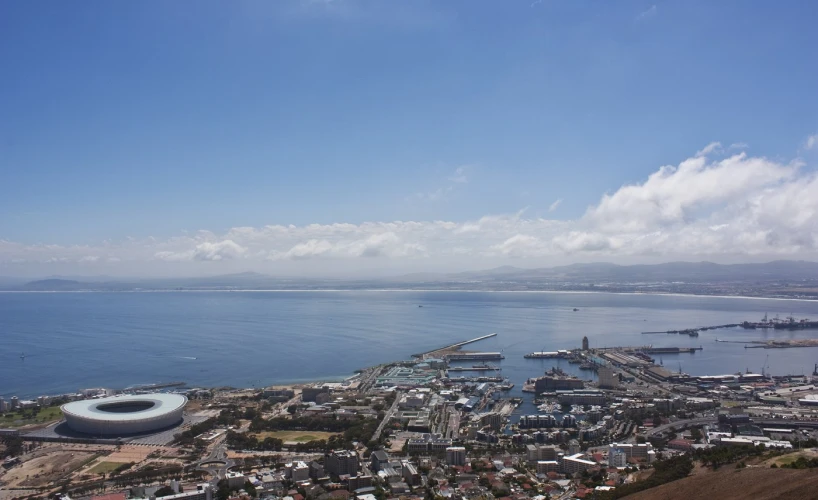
(575, 309)
(22, 355)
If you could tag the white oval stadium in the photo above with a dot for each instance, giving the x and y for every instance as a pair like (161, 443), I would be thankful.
(124, 415)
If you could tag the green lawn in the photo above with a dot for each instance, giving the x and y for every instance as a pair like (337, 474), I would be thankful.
(41, 416)
(295, 436)
(104, 467)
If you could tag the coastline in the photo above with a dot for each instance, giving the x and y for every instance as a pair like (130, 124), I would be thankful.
(423, 290)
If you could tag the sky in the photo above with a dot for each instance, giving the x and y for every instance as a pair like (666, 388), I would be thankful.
(354, 137)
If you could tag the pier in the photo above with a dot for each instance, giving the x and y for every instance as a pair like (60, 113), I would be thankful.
(439, 352)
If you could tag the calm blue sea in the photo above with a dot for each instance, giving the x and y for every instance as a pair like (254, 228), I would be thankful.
(244, 339)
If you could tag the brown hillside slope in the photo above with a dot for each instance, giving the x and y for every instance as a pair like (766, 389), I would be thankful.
(738, 484)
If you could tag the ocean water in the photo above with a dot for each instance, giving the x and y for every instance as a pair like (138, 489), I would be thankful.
(73, 341)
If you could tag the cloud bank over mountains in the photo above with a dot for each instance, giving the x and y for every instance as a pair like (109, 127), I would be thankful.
(720, 202)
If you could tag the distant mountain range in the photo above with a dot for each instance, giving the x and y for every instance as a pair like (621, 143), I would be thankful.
(796, 279)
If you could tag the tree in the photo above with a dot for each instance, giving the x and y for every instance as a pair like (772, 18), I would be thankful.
(250, 489)
(164, 491)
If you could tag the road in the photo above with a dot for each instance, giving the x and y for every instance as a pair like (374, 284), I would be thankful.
(216, 462)
(681, 424)
(387, 417)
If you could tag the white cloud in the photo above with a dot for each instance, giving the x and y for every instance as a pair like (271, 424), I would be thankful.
(710, 148)
(739, 145)
(205, 251)
(811, 142)
(647, 13)
(732, 206)
(459, 175)
(554, 205)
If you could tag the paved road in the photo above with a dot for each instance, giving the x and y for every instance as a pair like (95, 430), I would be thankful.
(217, 454)
(389, 414)
(681, 424)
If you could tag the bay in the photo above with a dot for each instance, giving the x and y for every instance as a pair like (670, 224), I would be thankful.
(73, 341)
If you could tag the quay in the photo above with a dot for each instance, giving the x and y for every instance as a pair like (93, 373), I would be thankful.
(484, 368)
(455, 346)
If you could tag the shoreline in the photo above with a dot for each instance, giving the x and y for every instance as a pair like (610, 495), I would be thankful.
(424, 290)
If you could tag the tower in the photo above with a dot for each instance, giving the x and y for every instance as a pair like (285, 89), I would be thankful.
(584, 343)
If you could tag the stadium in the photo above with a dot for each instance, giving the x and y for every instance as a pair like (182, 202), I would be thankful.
(124, 415)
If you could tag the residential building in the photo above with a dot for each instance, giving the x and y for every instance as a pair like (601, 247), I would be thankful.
(235, 480)
(456, 455)
(575, 463)
(341, 462)
(546, 466)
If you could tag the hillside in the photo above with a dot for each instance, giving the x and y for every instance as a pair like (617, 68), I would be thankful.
(758, 483)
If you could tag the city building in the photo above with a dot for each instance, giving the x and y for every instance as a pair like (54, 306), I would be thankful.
(235, 480)
(357, 482)
(298, 471)
(427, 443)
(546, 466)
(341, 462)
(573, 447)
(575, 463)
(551, 383)
(378, 459)
(607, 377)
(203, 491)
(585, 344)
(456, 455)
(617, 456)
(581, 397)
(410, 474)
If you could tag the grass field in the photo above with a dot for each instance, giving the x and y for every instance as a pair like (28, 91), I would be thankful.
(104, 467)
(43, 415)
(294, 436)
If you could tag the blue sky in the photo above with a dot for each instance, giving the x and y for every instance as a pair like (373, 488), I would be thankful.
(139, 135)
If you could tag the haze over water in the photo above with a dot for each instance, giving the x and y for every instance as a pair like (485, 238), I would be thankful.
(242, 339)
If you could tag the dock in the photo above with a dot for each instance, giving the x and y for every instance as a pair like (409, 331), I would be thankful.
(452, 347)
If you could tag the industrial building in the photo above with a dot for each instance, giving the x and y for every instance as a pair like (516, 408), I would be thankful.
(124, 415)
(607, 377)
(550, 383)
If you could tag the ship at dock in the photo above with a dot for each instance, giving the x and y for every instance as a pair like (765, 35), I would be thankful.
(789, 323)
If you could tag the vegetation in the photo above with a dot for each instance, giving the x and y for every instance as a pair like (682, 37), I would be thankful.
(720, 455)
(665, 471)
(164, 491)
(105, 467)
(30, 416)
(13, 446)
(801, 463)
